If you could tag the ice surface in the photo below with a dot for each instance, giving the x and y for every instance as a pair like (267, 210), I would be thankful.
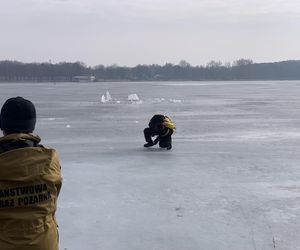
(230, 182)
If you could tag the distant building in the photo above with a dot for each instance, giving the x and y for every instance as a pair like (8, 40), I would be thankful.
(83, 78)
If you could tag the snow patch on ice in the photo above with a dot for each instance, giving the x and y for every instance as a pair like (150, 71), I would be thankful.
(158, 100)
(50, 119)
(163, 100)
(175, 101)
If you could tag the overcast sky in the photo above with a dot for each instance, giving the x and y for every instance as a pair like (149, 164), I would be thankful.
(131, 32)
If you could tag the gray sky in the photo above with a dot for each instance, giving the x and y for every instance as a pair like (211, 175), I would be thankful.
(130, 32)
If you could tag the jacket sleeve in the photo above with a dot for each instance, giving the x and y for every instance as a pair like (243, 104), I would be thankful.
(54, 174)
(58, 184)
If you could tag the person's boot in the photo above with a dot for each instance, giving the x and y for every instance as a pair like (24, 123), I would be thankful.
(169, 146)
(148, 144)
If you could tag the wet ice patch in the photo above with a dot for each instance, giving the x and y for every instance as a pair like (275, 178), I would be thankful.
(280, 215)
(268, 135)
(242, 136)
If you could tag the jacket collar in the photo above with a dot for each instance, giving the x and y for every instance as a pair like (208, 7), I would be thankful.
(20, 137)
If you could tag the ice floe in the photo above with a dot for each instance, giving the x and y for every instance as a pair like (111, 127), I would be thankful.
(135, 99)
(106, 98)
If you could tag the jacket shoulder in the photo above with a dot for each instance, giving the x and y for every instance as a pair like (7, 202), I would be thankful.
(24, 163)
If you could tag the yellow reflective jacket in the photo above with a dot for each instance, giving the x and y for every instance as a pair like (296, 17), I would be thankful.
(168, 123)
(30, 181)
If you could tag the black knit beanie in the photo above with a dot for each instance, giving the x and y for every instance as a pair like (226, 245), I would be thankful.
(18, 115)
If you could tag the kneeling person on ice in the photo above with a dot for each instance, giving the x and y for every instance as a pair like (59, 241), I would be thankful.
(161, 126)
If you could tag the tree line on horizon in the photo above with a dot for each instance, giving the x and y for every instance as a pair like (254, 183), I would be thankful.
(241, 69)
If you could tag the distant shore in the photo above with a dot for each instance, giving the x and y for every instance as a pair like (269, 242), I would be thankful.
(242, 69)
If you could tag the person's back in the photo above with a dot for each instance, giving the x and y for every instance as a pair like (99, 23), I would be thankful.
(30, 181)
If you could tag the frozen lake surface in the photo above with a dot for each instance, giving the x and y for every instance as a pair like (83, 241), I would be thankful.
(230, 182)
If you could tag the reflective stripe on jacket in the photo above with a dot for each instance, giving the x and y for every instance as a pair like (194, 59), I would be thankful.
(30, 181)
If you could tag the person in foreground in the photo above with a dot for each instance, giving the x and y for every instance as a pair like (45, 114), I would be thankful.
(30, 182)
(162, 127)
